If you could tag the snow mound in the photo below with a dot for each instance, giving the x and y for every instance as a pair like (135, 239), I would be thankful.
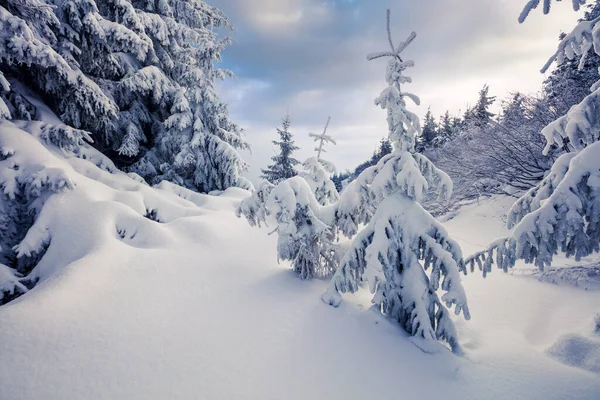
(81, 204)
(212, 315)
(577, 351)
(583, 277)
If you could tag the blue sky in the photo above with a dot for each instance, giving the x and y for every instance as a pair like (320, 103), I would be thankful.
(308, 58)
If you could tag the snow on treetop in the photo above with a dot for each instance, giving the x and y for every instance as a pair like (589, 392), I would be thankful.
(404, 125)
(322, 139)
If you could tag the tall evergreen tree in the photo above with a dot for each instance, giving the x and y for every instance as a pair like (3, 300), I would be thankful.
(284, 164)
(30, 53)
(457, 124)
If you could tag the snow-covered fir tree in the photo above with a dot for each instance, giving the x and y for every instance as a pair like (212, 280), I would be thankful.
(198, 145)
(28, 180)
(317, 171)
(31, 53)
(139, 76)
(304, 233)
(513, 109)
(284, 164)
(136, 79)
(384, 148)
(562, 213)
(404, 253)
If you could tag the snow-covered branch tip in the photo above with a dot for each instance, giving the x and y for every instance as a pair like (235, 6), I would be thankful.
(388, 17)
(576, 44)
(395, 52)
(503, 248)
(533, 4)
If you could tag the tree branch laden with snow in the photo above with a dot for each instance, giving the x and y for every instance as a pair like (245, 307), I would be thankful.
(561, 214)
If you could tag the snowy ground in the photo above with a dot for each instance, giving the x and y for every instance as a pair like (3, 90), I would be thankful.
(211, 315)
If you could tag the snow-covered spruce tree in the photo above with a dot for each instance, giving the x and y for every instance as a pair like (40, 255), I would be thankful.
(115, 52)
(305, 235)
(404, 253)
(138, 75)
(570, 81)
(197, 145)
(30, 52)
(303, 238)
(284, 164)
(446, 131)
(305, 228)
(562, 213)
(318, 171)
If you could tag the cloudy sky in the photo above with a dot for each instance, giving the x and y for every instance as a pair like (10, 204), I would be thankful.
(308, 58)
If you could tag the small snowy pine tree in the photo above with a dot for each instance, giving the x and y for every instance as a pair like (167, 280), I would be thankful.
(284, 164)
(294, 206)
(303, 236)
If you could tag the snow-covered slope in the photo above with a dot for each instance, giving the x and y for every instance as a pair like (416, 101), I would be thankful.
(198, 308)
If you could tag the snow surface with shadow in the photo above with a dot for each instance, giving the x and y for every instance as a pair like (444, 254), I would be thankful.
(195, 306)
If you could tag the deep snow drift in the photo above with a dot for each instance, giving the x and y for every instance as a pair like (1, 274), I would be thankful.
(198, 308)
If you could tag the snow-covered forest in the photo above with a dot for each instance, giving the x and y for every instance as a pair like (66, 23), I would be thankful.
(454, 252)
